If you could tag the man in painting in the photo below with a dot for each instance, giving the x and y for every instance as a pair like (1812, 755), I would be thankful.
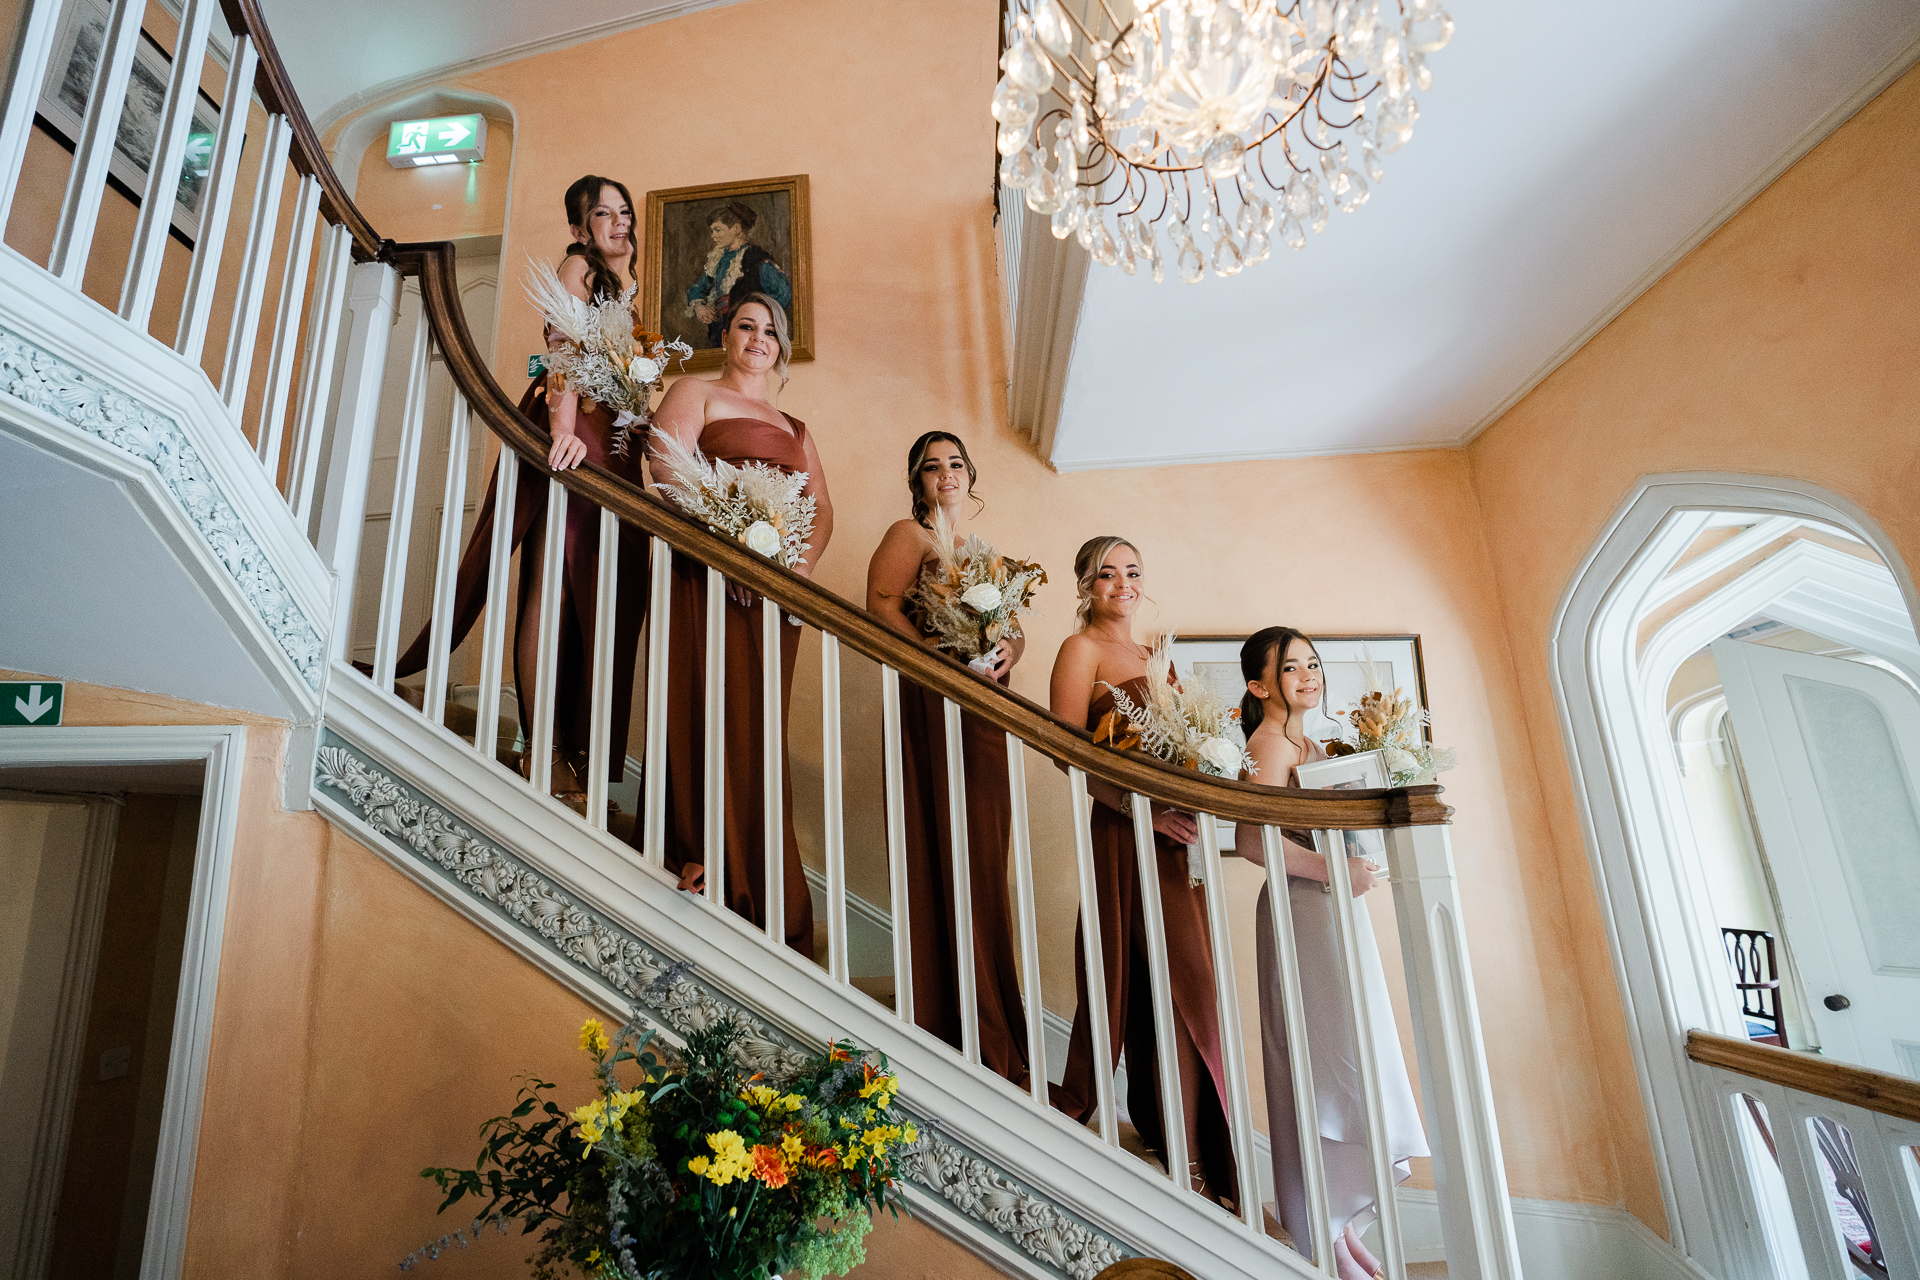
(735, 268)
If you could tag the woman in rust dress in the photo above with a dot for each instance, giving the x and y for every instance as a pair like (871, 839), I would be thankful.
(1093, 661)
(599, 262)
(732, 418)
(940, 476)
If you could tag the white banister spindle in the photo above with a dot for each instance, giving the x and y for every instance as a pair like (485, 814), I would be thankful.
(1092, 956)
(251, 297)
(773, 755)
(1898, 1142)
(373, 294)
(316, 378)
(1029, 921)
(714, 810)
(33, 49)
(606, 601)
(1820, 1242)
(1890, 1192)
(1476, 1218)
(446, 566)
(163, 171)
(653, 800)
(894, 771)
(1160, 990)
(546, 672)
(1306, 1110)
(962, 863)
(286, 325)
(1333, 847)
(406, 482)
(832, 768)
(1233, 1046)
(223, 174)
(493, 633)
(93, 149)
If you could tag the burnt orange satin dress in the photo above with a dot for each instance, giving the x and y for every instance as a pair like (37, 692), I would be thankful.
(930, 880)
(573, 701)
(735, 440)
(1123, 952)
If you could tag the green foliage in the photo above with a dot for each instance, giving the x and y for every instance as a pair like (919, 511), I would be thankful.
(699, 1169)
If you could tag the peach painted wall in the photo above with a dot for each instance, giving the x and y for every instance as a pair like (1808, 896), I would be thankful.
(431, 204)
(1785, 345)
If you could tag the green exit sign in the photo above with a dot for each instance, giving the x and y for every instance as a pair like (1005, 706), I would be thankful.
(31, 702)
(412, 144)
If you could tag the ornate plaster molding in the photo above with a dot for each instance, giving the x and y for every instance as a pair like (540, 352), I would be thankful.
(992, 1198)
(33, 375)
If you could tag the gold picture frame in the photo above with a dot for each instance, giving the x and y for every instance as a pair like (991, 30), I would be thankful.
(681, 296)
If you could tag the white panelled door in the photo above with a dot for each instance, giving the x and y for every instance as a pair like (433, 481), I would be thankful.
(1831, 751)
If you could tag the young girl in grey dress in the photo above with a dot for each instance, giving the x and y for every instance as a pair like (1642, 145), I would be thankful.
(1282, 670)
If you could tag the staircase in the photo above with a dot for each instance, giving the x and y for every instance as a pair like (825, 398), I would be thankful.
(262, 470)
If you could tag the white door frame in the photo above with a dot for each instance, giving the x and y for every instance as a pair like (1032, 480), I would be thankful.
(222, 750)
(1667, 980)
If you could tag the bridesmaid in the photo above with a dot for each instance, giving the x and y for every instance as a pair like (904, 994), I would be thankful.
(599, 262)
(940, 476)
(1282, 670)
(732, 418)
(1102, 656)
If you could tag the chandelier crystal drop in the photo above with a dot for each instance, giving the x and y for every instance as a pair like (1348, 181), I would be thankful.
(1236, 120)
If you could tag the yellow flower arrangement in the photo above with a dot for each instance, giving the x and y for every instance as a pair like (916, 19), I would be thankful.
(729, 1161)
(593, 1039)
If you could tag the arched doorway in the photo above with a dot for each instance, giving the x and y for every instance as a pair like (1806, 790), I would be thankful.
(1696, 573)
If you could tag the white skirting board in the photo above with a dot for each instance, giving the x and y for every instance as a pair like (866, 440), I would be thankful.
(1558, 1238)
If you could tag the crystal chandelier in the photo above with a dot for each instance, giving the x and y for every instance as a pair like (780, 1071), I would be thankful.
(1188, 117)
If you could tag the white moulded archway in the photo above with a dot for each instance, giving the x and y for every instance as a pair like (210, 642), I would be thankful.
(1611, 699)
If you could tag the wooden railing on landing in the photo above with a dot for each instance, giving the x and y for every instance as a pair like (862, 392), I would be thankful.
(1815, 1129)
(1809, 1073)
(1357, 810)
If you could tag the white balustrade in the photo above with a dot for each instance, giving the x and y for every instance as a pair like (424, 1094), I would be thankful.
(1092, 956)
(553, 587)
(962, 864)
(1026, 917)
(1160, 989)
(1306, 1108)
(286, 324)
(714, 741)
(832, 767)
(406, 477)
(237, 370)
(93, 149)
(773, 759)
(493, 633)
(163, 169)
(653, 804)
(447, 564)
(894, 771)
(606, 604)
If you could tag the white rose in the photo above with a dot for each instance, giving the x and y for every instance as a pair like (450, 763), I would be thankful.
(982, 597)
(644, 371)
(1222, 755)
(762, 537)
(1399, 761)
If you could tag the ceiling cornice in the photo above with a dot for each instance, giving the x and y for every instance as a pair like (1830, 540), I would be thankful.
(352, 105)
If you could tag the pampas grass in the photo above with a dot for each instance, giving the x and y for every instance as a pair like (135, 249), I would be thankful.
(608, 357)
(737, 501)
(938, 597)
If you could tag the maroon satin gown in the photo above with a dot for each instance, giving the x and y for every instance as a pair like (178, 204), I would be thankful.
(735, 440)
(1123, 952)
(930, 882)
(573, 700)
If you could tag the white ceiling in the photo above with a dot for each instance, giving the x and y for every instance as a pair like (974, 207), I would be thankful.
(97, 596)
(1565, 151)
(400, 41)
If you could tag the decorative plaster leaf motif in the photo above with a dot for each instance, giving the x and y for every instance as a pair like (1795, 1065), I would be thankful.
(55, 387)
(972, 1184)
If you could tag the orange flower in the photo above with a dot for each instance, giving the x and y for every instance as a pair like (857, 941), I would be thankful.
(824, 1157)
(768, 1166)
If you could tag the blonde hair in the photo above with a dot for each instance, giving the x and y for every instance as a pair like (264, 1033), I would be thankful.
(779, 314)
(1087, 563)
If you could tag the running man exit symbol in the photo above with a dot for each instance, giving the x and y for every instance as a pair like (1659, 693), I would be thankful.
(35, 702)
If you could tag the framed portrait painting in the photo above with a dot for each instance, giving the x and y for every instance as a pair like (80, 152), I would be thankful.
(708, 247)
(62, 111)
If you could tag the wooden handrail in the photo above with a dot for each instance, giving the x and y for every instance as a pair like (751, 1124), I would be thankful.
(1067, 743)
(1870, 1090)
(275, 88)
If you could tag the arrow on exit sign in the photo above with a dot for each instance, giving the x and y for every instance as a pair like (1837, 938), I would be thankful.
(31, 702)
